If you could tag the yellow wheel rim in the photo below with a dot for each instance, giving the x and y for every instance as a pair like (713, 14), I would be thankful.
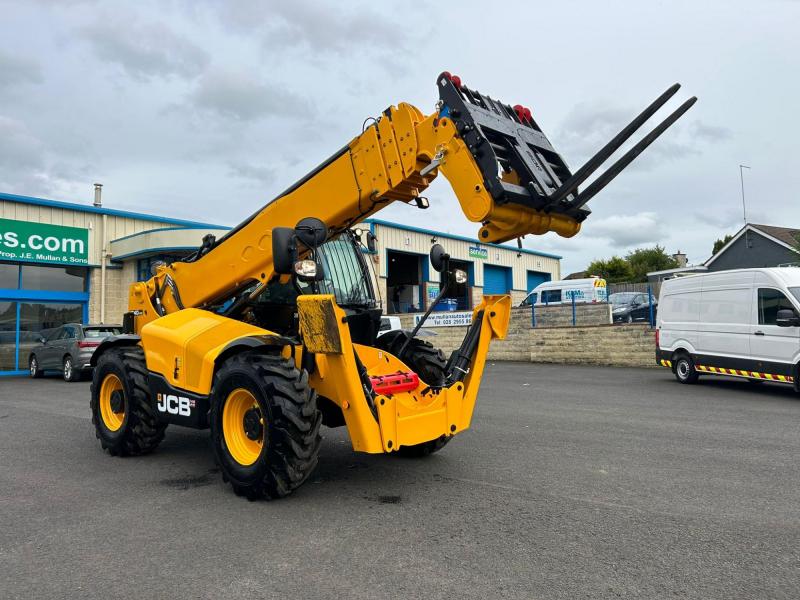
(111, 419)
(243, 426)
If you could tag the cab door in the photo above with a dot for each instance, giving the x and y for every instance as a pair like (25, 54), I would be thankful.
(768, 342)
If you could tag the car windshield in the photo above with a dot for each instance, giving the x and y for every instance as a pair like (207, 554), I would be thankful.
(100, 332)
(622, 298)
(795, 292)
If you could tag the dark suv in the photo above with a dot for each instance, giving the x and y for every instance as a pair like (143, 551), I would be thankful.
(627, 307)
(69, 348)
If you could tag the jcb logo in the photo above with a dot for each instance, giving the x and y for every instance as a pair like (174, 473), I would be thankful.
(174, 405)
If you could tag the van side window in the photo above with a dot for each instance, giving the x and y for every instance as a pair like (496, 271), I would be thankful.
(549, 296)
(769, 303)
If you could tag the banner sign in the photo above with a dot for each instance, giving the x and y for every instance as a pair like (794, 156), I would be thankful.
(38, 242)
(446, 319)
(478, 252)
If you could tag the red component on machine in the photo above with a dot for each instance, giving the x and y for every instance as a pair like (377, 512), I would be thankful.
(520, 110)
(456, 81)
(402, 381)
(528, 115)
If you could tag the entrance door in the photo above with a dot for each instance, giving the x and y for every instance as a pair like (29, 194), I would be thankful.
(535, 278)
(404, 282)
(496, 279)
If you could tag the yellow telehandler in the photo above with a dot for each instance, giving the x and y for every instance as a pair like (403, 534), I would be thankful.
(271, 331)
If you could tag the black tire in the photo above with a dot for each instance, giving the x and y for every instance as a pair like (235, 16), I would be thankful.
(629, 319)
(430, 364)
(289, 431)
(33, 367)
(426, 361)
(683, 367)
(141, 430)
(68, 370)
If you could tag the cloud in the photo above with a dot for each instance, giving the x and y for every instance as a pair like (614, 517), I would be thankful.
(313, 25)
(19, 148)
(238, 96)
(257, 173)
(144, 51)
(710, 133)
(16, 69)
(624, 231)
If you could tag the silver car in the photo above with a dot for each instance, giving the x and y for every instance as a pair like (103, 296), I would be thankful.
(69, 349)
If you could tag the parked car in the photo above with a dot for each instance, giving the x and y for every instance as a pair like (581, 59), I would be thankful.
(627, 307)
(744, 323)
(589, 289)
(69, 349)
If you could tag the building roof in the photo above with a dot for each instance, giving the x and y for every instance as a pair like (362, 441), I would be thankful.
(462, 238)
(783, 236)
(103, 211)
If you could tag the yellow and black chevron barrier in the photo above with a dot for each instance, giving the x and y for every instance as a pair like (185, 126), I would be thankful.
(736, 372)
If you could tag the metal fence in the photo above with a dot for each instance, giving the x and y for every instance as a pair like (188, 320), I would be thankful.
(645, 312)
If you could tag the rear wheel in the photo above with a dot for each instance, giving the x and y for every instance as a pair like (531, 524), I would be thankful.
(122, 413)
(264, 425)
(426, 361)
(33, 367)
(684, 369)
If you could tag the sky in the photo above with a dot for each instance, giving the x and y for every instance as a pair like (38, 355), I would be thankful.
(206, 109)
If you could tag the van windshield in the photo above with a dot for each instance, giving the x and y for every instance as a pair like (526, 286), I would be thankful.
(795, 292)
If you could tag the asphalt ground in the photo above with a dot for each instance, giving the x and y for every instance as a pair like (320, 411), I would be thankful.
(574, 482)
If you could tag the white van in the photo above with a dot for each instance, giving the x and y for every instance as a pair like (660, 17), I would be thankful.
(590, 289)
(744, 323)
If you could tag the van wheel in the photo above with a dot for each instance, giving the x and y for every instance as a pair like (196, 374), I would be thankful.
(684, 369)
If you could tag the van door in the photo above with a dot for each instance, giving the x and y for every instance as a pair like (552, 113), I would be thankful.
(769, 342)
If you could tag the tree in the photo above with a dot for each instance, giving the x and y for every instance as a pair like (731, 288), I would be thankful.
(720, 243)
(645, 260)
(613, 270)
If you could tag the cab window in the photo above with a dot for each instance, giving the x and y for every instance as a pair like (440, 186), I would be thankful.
(549, 296)
(769, 303)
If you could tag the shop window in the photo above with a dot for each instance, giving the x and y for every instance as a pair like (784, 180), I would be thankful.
(9, 276)
(8, 335)
(62, 279)
(43, 320)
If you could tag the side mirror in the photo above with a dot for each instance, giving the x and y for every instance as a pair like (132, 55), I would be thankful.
(42, 340)
(311, 231)
(786, 317)
(284, 250)
(439, 258)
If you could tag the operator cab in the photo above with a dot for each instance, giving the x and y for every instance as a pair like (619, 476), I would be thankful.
(345, 274)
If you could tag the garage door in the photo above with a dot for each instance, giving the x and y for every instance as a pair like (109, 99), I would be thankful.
(535, 278)
(496, 280)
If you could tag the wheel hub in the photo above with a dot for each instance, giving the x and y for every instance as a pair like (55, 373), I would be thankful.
(117, 401)
(253, 425)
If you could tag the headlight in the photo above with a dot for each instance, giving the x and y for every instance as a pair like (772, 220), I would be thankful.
(306, 268)
(620, 309)
(460, 276)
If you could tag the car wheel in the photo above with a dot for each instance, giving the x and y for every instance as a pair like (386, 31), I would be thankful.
(684, 369)
(630, 319)
(70, 372)
(33, 365)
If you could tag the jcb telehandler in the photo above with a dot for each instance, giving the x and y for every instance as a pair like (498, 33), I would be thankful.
(270, 331)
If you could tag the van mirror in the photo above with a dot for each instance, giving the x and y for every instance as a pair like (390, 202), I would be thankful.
(786, 317)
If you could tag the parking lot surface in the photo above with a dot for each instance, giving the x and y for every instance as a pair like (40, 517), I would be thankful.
(573, 482)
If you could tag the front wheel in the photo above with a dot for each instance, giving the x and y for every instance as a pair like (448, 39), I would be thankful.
(684, 369)
(122, 414)
(33, 367)
(264, 425)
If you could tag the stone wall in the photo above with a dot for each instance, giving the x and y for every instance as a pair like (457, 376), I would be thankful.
(614, 345)
(118, 280)
(602, 344)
